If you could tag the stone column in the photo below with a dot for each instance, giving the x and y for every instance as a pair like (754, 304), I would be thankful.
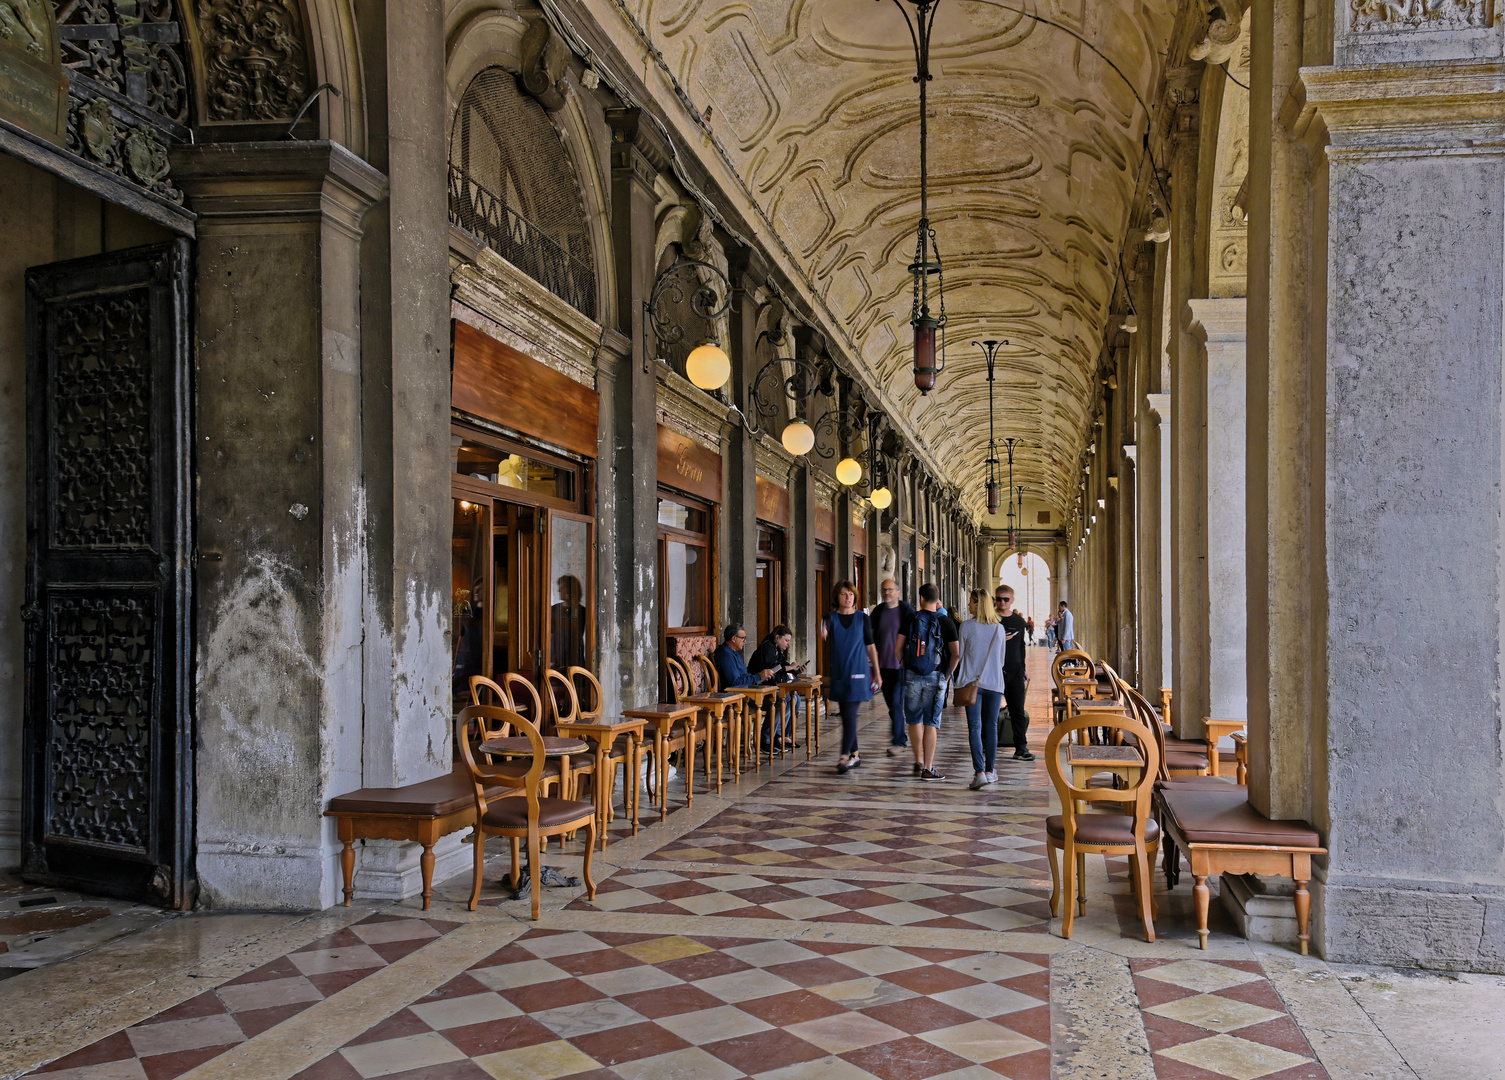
(638, 154)
(1127, 571)
(808, 607)
(281, 513)
(1189, 428)
(1160, 407)
(1415, 547)
(1220, 325)
(616, 353)
(740, 490)
(405, 389)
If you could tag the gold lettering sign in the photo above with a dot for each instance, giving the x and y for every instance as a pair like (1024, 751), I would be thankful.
(685, 464)
(33, 85)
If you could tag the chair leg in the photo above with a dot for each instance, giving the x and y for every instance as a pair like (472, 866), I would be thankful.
(534, 869)
(590, 882)
(480, 866)
(1069, 865)
(1055, 879)
(1150, 856)
(1141, 869)
(517, 862)
(1081, 883)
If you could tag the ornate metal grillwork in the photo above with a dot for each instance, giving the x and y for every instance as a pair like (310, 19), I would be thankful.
(101, 423)
(513, 185)
(521, 243)
(100, 674)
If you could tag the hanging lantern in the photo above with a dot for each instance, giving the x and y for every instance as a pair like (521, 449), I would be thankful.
(798, 438)
(708, 366)
(993, 496)
(848, 471)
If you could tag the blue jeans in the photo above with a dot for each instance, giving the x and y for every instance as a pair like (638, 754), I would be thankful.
(924, 697)
(982, 729)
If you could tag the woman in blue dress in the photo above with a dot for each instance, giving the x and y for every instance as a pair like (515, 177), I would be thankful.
(854, 665)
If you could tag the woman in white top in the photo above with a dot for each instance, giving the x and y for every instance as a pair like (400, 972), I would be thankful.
(982, 645)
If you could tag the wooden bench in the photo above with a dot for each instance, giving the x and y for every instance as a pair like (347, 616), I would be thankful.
(1222, 834)
(422, 813)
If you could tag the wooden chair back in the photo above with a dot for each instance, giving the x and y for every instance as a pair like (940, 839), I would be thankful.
(596, 706)
(564, 703)
(480, 684)
(490, 721)
(524, 697)
(712, 676)
(1071, 663)
(528, 782)
(1142, 711)
(680, 685)
(1134, 800)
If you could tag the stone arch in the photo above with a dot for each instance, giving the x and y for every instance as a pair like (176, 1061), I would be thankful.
(490, 37)
(1223, 171)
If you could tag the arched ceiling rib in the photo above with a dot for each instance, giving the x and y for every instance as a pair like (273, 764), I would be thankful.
(1035, 149)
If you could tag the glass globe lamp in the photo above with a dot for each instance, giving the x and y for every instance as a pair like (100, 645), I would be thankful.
(798, 438)
(708, 366)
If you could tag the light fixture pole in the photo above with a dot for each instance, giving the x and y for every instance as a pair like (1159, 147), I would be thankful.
(990, 353)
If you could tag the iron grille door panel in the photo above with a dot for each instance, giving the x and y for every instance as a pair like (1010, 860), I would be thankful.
(108, 752)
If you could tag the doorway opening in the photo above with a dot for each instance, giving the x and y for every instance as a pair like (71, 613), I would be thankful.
(1029, 576)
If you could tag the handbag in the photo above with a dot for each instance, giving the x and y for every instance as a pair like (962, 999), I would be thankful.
(966, 696)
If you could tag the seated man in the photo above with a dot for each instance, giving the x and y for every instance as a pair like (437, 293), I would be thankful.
(773, 655)
(729, 664)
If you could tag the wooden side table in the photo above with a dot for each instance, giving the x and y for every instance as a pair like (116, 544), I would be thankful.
(809, 689)
(604, 733)
(663, 718)
(752, 723)
(715, 706)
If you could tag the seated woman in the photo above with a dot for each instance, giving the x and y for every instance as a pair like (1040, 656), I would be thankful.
(773, 655)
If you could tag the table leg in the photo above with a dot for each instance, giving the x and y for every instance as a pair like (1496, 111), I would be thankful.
(1303, 916)
(809, 723)
(1203, 897)
(734, 736)
(605, 777)
(690, 762)
(347, 859)
(661, 762)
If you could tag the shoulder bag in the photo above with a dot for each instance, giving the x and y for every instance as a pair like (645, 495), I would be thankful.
(967, 695)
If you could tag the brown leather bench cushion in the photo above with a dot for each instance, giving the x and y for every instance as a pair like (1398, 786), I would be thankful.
(1182, 759)
(1102, 829)
(1217, 783)
(431, 798)
(1210, 816)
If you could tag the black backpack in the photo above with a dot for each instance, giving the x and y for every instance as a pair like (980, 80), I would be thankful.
(922, 645)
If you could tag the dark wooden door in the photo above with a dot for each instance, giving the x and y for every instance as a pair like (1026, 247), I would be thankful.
(108, 750)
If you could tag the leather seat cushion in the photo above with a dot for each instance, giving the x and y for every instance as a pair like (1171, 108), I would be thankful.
(430, 798)
(1217, 783)
(1213, 816)
(1102, 829)
(513, 813)
(1191, 745)
(1181, 759)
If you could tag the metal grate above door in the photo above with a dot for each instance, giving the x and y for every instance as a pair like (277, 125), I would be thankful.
(513, 186)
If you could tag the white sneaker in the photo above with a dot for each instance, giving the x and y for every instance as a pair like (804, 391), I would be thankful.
(979, 780)
(992, 778)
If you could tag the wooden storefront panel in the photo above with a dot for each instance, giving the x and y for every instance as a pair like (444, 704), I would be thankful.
(495, 381)
(773, 503)
(684, 464)
(825, 525)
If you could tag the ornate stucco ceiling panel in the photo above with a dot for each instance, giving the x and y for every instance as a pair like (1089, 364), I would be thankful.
(1035, 149)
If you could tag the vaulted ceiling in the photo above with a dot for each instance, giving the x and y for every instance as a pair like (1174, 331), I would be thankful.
(1036, 144)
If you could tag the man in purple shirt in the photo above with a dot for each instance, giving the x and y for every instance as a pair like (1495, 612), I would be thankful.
(889, 620)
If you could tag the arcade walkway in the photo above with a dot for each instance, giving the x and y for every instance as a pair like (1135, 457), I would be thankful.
(804, 925)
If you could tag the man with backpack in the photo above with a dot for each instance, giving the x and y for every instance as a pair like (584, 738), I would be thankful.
(929, 649)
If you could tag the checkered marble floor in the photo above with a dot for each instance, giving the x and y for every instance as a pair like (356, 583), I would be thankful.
(807, 925)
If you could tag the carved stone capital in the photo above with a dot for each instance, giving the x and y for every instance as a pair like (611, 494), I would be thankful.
(636, 143)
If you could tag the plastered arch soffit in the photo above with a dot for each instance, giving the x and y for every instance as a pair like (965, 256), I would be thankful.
(1044, 552)
(480, 35)
(1035, 148)
(334, 52)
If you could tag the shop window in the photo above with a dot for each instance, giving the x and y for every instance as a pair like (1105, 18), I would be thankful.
(685, 554)
(516, 471)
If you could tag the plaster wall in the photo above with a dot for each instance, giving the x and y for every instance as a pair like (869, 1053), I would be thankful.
(42, 220)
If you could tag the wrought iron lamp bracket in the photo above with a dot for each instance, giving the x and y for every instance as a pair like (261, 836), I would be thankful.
(707, 303)
(800, 385)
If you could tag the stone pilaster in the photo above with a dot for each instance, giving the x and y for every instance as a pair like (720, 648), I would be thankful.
(638, 154)
(1416, 437)
(740, 492)
(280, 611)
(1160, 508)
(1220, 326)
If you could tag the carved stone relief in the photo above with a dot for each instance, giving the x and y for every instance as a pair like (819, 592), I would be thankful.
(255, 62)
(1398, 16)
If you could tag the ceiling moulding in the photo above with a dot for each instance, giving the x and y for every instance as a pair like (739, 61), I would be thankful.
(626, 38)
(826, 487)
(689, 410)
(771, 461)
(500, 300)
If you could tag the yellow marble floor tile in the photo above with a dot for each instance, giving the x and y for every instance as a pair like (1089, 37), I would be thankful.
(663, 949)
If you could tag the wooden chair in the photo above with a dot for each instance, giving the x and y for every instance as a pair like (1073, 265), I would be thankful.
(680, 737)
(525, 700)
(1134, 833)
(591, 709)
(481, 687)
(1179, 757)
(1072, 674)
(560, 688)
(598, 696)
(533, 817)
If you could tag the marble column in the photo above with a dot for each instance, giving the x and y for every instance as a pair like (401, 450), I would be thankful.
(1412, 800)
(740, 495)
(1160, 408)
(282, 528)
(638, 154)
(1220, 326)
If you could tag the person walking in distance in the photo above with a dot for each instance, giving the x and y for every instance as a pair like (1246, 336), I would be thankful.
(1013, 670)
(1065, 627)
(854, 665)
(1030, 625)
(930, 651)
(889, 619)
(983, 642)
